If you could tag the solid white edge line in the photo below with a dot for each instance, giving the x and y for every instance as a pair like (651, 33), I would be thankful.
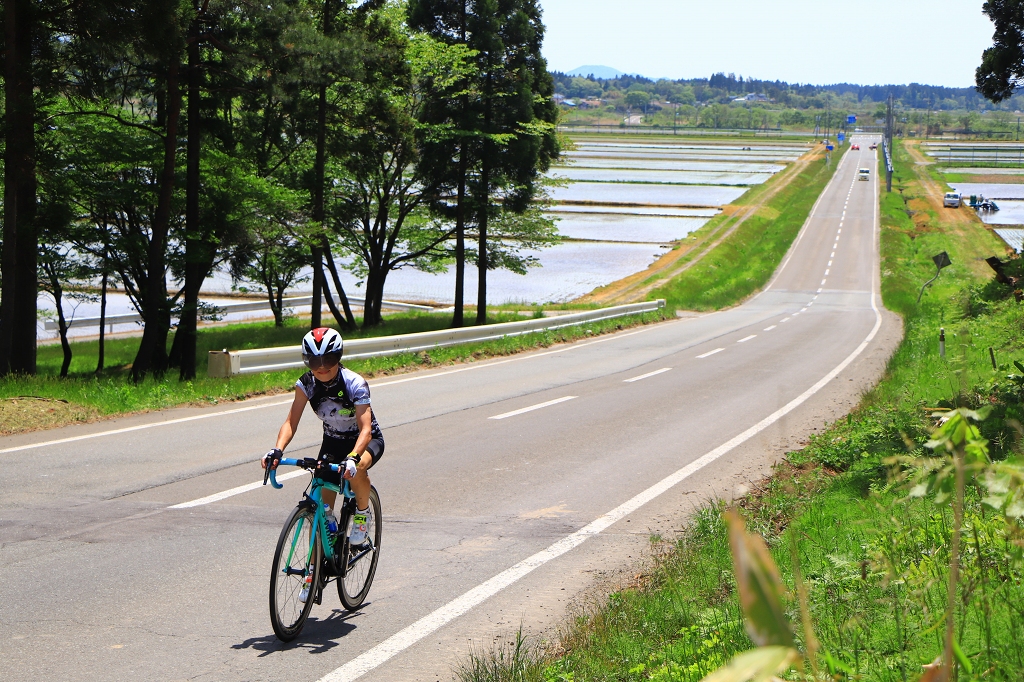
(649, 374)
(217, 497)
(710, 352)
(140, 427)
(531, 408)
(433, 621)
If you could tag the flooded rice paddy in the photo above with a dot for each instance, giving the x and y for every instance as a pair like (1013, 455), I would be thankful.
(643, 194)
(989, 190)
(578, 174)
(631, 203)
(1009, 198)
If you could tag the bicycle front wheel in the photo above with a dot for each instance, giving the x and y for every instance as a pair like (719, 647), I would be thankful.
(297, 556)
(360, 561)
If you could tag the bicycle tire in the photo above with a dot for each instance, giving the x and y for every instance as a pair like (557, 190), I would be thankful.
(287, 613)
(361, 564)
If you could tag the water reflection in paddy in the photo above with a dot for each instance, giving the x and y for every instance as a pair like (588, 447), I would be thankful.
(659, 176)
(670, 211)
(746, 157)
(990, 190)
(627, 228)
(656, 195)
(571, 161)
(1009, 213)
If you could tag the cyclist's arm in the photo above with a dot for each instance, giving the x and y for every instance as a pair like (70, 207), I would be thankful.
(364, 419)
(291, 423)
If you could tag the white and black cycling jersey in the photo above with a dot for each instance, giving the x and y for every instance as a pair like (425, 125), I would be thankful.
(335, 402)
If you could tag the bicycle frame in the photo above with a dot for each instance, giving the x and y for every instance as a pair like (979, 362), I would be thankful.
(319, 519)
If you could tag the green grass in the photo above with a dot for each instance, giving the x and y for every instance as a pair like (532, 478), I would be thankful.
(112, 393)
(745, 261)
(875, 562)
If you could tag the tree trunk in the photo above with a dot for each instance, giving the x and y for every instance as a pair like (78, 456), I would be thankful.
(103, 313)
(481, 257)
(318, 286)
(62, 324)
(484, 208)
(374, 295)
(460, 241)
(195, 245)
(350, 319)
(152, 353)
(20, 281)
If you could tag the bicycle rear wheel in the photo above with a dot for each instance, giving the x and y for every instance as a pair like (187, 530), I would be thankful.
(298, 553)
(360, 561)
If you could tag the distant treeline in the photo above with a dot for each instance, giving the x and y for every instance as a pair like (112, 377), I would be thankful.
(721, 87)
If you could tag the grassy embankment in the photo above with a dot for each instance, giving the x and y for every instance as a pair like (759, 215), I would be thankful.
(746, 259)
(82, 396)
(874, 560)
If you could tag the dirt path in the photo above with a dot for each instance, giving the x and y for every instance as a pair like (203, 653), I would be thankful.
(638, 285)
(934, 192)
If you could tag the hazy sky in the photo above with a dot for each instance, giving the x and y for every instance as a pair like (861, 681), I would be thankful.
(938, 42)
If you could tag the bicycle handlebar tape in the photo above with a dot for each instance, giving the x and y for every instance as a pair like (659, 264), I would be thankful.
(273, 480)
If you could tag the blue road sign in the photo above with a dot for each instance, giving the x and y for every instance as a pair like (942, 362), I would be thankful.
(851, 119)
(841, 136)
(829, 147)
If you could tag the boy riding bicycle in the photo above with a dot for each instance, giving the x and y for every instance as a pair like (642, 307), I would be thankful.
(341, 399)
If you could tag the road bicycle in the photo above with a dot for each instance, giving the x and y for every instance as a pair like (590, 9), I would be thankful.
(308, 555)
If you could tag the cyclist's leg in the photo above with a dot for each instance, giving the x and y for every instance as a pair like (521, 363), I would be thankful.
(361, 483)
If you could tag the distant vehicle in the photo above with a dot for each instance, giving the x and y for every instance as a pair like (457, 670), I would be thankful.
(857, 130)
(952, 200)
(873, 146)
(855, 146)
(864, 174)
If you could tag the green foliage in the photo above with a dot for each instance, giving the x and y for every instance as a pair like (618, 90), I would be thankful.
(745, 261)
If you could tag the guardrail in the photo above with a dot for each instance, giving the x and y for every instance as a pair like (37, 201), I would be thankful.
(229, 363)
(228, 308)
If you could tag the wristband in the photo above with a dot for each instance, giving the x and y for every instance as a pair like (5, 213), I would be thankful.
(353, 455)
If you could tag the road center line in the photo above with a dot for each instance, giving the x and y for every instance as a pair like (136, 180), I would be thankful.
(373, 384)
(649, 374)
(710, 352)
(747, 338)
(407, 637)
(531, 408)
(768, 329)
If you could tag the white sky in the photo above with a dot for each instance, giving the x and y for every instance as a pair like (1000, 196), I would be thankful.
(936, 42)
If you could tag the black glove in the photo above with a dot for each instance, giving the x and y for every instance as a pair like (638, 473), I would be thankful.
(271, 459)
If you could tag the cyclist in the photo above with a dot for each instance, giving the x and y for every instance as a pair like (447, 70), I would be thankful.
(341, 399)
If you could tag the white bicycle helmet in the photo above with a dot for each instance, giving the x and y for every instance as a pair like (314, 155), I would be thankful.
(321, 347)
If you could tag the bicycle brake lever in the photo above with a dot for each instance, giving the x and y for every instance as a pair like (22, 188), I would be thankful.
(266, 474)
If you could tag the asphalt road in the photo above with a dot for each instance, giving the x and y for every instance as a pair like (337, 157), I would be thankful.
(490, 524)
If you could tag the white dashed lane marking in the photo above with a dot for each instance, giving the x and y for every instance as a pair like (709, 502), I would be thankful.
(747, 338)
(768, 329)
(531, 408)
(649, 374)
(710, 352)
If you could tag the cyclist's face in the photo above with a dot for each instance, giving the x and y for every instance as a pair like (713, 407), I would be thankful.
(326, 374)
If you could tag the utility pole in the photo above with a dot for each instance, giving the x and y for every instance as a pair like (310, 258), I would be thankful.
(888, 142)
(1018, 129)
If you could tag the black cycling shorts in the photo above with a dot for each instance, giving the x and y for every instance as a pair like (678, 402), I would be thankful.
(335, 450)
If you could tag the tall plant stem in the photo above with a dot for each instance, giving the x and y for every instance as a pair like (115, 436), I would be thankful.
(954, 566)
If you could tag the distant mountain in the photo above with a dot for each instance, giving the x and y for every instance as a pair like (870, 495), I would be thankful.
(605, 72)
